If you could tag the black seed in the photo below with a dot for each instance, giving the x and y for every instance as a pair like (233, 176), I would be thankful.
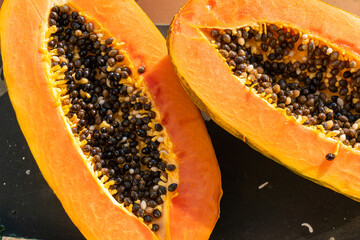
(134, 195)
(158, 127)
(127, 185)
(135, 207)
(347, 74)
(162, 190)
(301, 47)
(226, 38)
(89, 27)
(343, 92)
(264, 47)
(343, 83)
(257, 37)
(109, 41)
(52, 22)
(74, 15)
(156, 213)
(148, 218)
(272, 42)
(333, 89)
(281, 37)
(333, 56)
(172, 187)
(155, 227)
(81, 20)
(151, 114)
(54, 15)
(51, 43)
(55, 9)
(214, 33)
(119, 58)
(127, 201)
(159, 200)
(141, 69)
(64, 9)
(330, 156)
(153, 194)
(272, 56)
(171, 167)
(334, 71)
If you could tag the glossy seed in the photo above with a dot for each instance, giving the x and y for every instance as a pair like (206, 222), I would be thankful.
(171, 167)
(148, 218)
(109, 41)
(141, 69)
(156, 213)
(330, 156)
(64, 9)
(155, 227)
(172, 187)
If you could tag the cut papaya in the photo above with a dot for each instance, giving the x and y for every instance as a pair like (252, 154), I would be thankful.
(284, 79)
(113, 132)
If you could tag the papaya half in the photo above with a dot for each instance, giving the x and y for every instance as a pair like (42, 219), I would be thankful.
(284, 76)
(113, 132)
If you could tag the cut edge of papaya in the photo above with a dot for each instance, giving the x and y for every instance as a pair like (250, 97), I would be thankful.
(206, 90)
(93, 211)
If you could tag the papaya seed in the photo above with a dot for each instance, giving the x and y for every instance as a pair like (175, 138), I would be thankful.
(330, 156)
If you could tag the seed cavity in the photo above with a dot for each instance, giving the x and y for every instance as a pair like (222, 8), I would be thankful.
(317, 84)
(110, 114)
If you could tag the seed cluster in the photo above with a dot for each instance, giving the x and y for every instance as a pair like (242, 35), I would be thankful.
(310, 80)
(114, 120)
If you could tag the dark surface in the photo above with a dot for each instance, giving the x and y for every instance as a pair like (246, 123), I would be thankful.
(28, 207)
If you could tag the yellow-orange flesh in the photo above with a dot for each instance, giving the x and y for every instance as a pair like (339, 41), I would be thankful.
(311, 80)
(81, 152)
(111, 115)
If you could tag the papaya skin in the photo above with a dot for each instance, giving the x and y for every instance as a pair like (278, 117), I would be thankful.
(90, 207)
(208, 80)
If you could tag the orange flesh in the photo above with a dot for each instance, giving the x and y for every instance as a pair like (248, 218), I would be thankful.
(209, 81)
(91, 208)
